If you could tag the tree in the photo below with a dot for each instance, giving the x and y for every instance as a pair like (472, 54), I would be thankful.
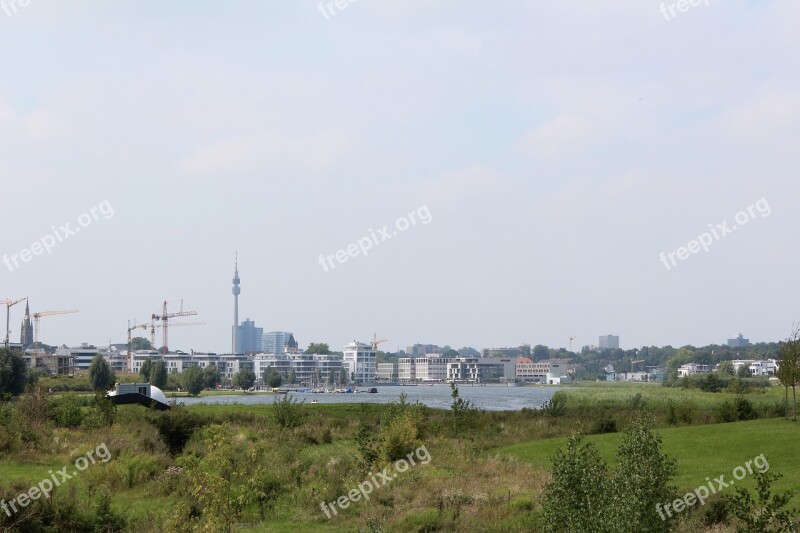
(13, 373)
(726, 368)
(641, 479)
(540, 352)
(450, 353)
(140, 343)
(211, 376)
(743, 372)
(275, 380)
(317, 377)
(158, 374)
(331, 377)
(147, 367)
(192, 380)
(342, 377)
(318, 348)
(101, 377)
(244, 379)
(789, 368)
(292, 377)
(577, 499)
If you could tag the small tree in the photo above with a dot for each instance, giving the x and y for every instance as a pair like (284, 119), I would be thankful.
(726, 369)
(192, 380)
(158, 374)
(147, 367)
(275, 380)
(577, 497)
(342, 377)
(789, 368)
(13, 373)
(641, 479)
(768, 513)
(211, 376)
(101, 377)
(743, 372)
(292, 377)
(244, 379)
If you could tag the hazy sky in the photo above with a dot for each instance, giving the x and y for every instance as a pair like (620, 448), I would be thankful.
(558, 148)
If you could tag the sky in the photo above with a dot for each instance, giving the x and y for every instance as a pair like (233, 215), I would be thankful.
(454, 172)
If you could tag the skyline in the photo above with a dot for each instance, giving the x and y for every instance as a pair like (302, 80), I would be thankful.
(571, 178)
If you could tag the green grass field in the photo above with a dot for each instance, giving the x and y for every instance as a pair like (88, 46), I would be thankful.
(701, 451)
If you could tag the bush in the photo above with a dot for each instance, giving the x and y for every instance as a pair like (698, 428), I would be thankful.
(66, 412)
(606, 424)
(556, 406)
(176, 427)
(287, 412)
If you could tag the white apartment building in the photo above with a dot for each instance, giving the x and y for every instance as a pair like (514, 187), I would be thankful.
(227, 364)
(690, 369)
(764, 368)
(304, 366)
(432, 367)
(360, 360)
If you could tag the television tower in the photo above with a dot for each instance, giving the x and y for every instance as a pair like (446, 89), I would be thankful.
(236, 291)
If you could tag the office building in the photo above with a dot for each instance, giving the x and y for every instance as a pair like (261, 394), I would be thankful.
(608, 342)
(249, 338)
(360, 360)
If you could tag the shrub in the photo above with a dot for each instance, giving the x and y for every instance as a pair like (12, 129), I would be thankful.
(176, 427)
(605, 424)
(287, 411)
(66, 412)
(769, 512)
(557, 405)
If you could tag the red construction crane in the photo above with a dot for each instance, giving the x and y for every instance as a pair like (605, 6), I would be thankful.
(37, 316)
(9, 304)
(164, 318)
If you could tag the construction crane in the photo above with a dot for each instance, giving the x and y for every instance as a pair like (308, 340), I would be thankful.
(9, 304)
(153, 327)
(37, 316)
(164, 318)
(131, 328)
(570, 342)
(376, 342)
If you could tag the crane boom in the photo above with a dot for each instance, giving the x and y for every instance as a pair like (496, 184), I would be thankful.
(40, 314)
(9, 304)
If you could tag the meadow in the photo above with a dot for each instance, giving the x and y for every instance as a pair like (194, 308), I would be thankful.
(269, 467)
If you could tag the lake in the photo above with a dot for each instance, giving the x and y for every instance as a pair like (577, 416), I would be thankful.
(489, 398)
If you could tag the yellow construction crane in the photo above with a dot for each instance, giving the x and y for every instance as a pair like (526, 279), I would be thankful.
(153, 327)
(9, 304)
(376, 342)
(131, 328)
(40, 314)
(164, 318)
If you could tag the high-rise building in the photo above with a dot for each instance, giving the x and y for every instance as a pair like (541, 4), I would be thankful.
(360, 360)
(26, 335)
(279, 342)
(249, 338)
(236, 291)
(738, 342)
(608, 342)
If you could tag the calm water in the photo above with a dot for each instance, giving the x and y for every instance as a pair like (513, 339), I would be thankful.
(490, 398)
